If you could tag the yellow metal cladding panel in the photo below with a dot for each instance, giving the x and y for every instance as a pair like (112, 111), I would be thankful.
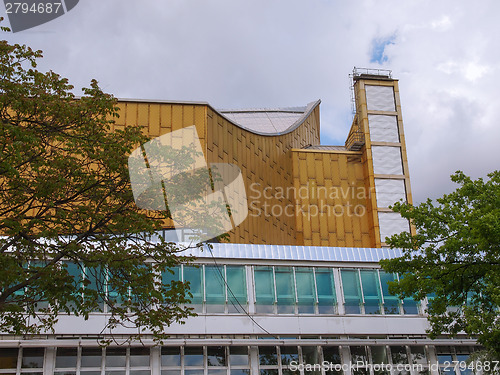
(199, 120)
(161, 118)
(265, 162)
(120, 120)
(131, 114)
(332, 204)
(177, 117)
(143, 116)
(266, 165)
(165, 118)
(154, 120)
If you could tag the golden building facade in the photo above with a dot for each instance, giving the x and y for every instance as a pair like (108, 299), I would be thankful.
(300, 192)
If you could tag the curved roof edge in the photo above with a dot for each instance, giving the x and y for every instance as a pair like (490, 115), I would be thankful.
(282, 126)
(301, 114)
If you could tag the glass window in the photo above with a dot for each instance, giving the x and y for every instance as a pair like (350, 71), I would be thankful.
(418, 355)
(240, 372)
(116, 357)
(168, 372)
(170, 356)
(193, 356)
(66, 357)
(358, 354)
(194, 275)
(289, 354)
(216, 371)
(326, 290)
(33, 357)
(379, 354)
(264, 285)
(306, 296)
(444, 354)
(115, 296)
(96, 277)
(193, 372)
(371, 291)
(445, 357)
(237, 287)
(410, 306)
(215, 288)
(216, 356)
(139, 357)
(399, 355)
(391, 302)
(352, 291)
(470, 296)
(8, 358)
(268, 355)
(448, 370)
(465, 370)
(331, 354)
(167, 277)
(238, 355)
(91, 357)
(310, 355)
(74, 270)
(285, 289)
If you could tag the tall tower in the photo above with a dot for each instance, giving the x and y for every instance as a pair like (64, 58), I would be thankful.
(378, 130)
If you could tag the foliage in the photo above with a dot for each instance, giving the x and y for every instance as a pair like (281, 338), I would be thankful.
(72, 239)
(454, 259)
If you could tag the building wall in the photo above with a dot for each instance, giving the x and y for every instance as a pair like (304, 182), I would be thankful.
(266, 164)
(379, 118)
(332, 200)
(265, 161)
(276, 168)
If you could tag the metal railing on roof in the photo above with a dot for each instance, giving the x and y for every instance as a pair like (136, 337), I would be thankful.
(357, 72)
(356, 138)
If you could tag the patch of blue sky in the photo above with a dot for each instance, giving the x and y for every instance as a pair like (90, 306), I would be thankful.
(378, 54)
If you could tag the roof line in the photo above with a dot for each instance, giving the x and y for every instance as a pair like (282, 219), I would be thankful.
(309, 109)
(259, 110)
(161, 101)
(319, 151)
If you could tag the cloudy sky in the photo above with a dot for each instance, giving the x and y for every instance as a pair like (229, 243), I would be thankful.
(256, 53)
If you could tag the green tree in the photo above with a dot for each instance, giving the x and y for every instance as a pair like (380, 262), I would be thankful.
(72, 239)
(454, 259)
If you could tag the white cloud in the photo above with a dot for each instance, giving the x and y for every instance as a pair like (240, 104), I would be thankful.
(442, 24)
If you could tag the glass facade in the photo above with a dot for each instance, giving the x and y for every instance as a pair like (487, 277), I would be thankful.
(292, 290)
(224, 289)
(351, 286)
(366, 291)
(264, 359)
(213, 288)
(260, 290)
(453, 360)
(211, 360)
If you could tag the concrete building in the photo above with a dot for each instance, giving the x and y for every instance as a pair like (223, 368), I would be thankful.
(297, 289)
